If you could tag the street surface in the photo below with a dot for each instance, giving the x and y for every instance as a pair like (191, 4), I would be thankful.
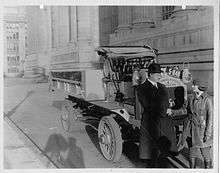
(19, 154)
(36, 112)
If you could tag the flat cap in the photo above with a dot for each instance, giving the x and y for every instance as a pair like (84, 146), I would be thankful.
(202, 85)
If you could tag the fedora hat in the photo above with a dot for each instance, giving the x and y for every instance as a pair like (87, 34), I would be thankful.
(154, 68)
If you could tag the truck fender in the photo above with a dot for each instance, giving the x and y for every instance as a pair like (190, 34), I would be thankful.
(123, 113)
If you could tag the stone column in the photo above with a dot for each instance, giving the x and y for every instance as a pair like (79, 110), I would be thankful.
(124, 17)
(143, 16)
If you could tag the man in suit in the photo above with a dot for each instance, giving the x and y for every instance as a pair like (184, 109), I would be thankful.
(153, 97)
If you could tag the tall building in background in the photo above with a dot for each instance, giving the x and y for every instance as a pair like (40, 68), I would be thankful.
(38, 39)
(14, 40)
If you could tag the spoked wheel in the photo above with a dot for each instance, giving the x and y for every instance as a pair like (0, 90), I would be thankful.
(68, 115)
(110, 139)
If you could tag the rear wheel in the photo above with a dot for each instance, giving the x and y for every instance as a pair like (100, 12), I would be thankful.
(110, 139)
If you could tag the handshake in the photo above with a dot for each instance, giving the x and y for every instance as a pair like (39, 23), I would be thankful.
(169, 112)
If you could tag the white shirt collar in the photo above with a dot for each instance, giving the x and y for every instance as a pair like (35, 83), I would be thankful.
(152, 82)
(197, 96)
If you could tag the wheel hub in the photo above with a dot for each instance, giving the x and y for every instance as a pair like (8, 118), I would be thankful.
(105, 139)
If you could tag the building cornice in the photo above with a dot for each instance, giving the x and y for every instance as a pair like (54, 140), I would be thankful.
(14, 19)
(157, 34)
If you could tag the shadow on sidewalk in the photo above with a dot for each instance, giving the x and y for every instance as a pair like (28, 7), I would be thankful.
(13, 110)
(64, 152)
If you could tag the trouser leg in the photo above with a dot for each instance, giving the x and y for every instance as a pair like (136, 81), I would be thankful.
(192, 163)
(194, 153)
(155, 155)
(205, 152)
(208, 164)
(192, 160)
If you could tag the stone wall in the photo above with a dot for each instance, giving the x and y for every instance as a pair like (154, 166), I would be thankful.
(108, 22)
(71, 34)
(187, 36)
(75, 50)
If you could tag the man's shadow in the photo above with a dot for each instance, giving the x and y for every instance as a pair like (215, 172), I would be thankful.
(64, 152)
(13, 110)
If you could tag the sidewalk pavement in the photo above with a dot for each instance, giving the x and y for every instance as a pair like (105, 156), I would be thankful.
(20, 155)
(17, 155)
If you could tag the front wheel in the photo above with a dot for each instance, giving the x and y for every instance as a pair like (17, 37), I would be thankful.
(110, 139)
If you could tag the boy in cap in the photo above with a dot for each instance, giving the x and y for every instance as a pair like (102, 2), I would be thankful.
(200, 124)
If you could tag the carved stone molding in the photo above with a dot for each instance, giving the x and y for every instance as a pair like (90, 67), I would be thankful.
(196, 38)
(62, 50)
(65, 58)
(143, 17)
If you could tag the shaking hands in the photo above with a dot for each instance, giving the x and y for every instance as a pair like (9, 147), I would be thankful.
(169, 112)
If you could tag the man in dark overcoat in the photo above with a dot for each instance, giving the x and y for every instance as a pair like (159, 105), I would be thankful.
(153, 97)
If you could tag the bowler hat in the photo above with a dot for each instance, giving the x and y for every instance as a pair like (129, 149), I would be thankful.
(202, 85)
(154, 68)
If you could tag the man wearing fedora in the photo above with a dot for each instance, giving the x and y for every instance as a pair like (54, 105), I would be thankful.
(153, 97)
(198, 129)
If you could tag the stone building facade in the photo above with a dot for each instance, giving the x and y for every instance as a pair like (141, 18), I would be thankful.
(65, 37)
(75, 35)
(62, 37)
(181, 36)
(14, 27)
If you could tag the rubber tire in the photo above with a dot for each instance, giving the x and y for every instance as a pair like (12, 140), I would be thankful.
(67, 107)
(116, 133)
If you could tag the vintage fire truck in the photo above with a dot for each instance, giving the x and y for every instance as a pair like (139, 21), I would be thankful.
(108, 94)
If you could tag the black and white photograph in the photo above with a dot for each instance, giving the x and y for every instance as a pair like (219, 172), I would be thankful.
(110, 86)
